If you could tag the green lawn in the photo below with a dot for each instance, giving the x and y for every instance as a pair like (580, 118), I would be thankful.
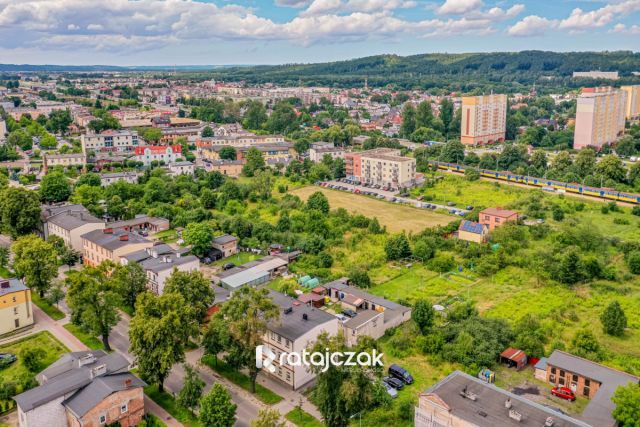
(167, 236)
(238, 259)
(87, 339)
(238, 378)
(170, 405)
(44, 305)
(302, 419)
(5, 273)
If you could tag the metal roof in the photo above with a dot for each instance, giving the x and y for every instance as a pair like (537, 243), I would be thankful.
(111, 241)
(15, 285)
(471, 227)
(293, 325)
(100, 388)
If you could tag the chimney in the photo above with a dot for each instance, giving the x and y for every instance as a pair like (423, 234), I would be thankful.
(124, 238)
(128, 382)
(86, 360)
(5, 284)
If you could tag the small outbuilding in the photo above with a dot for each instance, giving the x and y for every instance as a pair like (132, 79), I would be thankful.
(514, 358)
(540, 369)
(312, 299)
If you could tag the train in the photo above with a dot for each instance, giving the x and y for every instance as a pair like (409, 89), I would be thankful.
(544, 183)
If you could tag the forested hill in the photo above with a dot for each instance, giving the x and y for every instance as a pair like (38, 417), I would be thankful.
(466, 71)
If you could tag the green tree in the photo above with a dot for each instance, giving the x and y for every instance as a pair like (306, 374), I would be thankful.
(199, 235)
(207, 132)
(191, 391)
(159, 333)
(94, 299)
(318, 201)
(585, 162)
(263, 183)
(216, 338)
(255, 116)
(529, 336)
(228, 153)
(408, 120)
(633, 262)
(131, 281)
(151, 135)
(217, 409)
(585, 344)
(55, 294)
(611, 167)
(446, 114)
(33, 358)
(424, 115)
(397, 247)
(282, 119)
(627, 401)
(423, 315)
(247, 314)
(194, 288)
(92, 179)
(613, 319)
(254, 162)
(452, 152)
(268, 418)
(55, 188)
(35, 261)
(19, 210)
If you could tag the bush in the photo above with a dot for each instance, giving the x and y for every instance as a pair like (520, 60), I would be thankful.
(621, 221)
(635, 211)
(32, 358)
(405, 410)
(633, 261)
(613, 319)
(604, 209)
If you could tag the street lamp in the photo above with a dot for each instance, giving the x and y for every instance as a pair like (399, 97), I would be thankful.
(359, 414)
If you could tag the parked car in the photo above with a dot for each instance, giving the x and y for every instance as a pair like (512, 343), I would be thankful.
(451, 204)
(341, 317)
(400, 373)
(228, 266)
(563, 393)
(349, 313)
(143, 233)
(469, 208)
(390, 390)
(393, 382)
(6, 359)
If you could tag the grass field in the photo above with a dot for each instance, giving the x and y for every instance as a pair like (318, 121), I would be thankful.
(395, 217)
(170, 405)
(302, 419)
(238, 259)
(87, 339)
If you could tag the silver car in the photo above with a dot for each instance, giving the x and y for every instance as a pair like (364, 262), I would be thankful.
(392, 391)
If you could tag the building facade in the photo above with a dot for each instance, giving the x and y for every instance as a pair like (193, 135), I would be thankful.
(600, 117)
(71, 224)
(110, 245)
(109, 141)
(484, 119)
(381, 166)
(495, 217)
(64, 160)
(158, 153)
(632, 111)
(15, 306)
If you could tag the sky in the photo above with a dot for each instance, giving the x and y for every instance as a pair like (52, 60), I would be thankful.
(222, 32)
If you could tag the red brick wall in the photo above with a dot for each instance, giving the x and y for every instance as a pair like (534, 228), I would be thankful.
(134, 398)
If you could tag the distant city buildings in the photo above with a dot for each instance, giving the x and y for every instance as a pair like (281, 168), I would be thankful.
(600, 117)
(632, 110)
(609, 75)
(484, 119)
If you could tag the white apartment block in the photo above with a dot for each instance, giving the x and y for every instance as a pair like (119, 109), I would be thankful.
(484, 119)
(121, 141)
(600, 117)
(610, 75)
(632, 110)
(381, 166)
(64, 160)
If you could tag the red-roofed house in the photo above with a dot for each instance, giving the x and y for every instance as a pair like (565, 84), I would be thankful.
(495, 217)
(160, 153)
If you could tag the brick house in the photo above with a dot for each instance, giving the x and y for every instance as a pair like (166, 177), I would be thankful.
(227, 244)
(495, 217)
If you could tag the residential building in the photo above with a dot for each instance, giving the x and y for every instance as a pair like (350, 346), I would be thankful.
(239, 140)
(64, 160)
(159, 262)
(110, 140)
(181, 168)
(226, 244)
(231, 168)
(600, 117)
(69, 222)
(110, 178)
(141, 222)
(3, 131)
(368, 307)
(495, 217)
(253, 273)
(484, 119)
(276, 152)
(609, 75)
(160, 154)
(460, 400)
(632, 110)
(317, 151)
(589, 379)
(472, 231)
(110, 245)
(15, 306)
(381, 166)
(297, 329)
(85, 388)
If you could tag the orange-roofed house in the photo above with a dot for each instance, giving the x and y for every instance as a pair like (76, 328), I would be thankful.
(495, 217)
(160, 153)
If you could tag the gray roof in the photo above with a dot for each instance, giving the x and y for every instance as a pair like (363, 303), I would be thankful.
(87, 398)
(183, 163)
(111, 241)
(224, 239)
(361, 318)
(71, 372)
(341, 285)
(489, 407)
(15, 285)
(598, 412)
(51, 210)
(159, 258)
(292, 325)
(138, 220)
(70, 220)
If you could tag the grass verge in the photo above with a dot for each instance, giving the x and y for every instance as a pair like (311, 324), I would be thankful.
(170, 405)
(238, 378)
(302, 419)
(44, 305)
(87, 339)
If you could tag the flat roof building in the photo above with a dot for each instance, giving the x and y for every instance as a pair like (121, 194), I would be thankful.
(600, 117)
(632, 110)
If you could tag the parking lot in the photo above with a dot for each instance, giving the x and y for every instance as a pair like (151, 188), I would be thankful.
(390, 195)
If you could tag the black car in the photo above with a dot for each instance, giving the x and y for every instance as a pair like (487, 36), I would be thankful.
(228, 266)
(393, 382)
(6, 359)
(400, 373)
(349, 313)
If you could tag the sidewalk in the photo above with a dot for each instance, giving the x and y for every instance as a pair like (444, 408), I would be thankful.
(292, 398)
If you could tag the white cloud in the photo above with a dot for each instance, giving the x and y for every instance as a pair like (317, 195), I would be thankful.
(459, 7)
(292, 3)
(623, 29)
(319, 7)
(531, 25)
(72, 27)
(580, 20)
(95, 27)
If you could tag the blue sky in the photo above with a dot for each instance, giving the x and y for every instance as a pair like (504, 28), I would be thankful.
(165, 32)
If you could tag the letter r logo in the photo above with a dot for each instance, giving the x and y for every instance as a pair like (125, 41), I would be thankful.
(265, 358)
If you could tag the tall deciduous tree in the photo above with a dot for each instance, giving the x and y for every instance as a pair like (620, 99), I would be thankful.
(397, 247)
(423, 314)
(268, 418)
(55, 188)
(194, 288)
(254, 161)
(199, 235)
(216, 338)
(159, 333)
(191, 391)
(627, 400)
(408, 120)
(94, 299)
(131, 281)
(35, 261)
(318, 201)
(613, 319)
(19, 210)
(247, 314)
(217, 409)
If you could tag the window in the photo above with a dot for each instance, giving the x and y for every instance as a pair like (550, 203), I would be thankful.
(575, 378)
(15, 310)
(561, 382)
(103, 419)
(587, 383)
(562, 373)
(288, 376)
(586, 391)
(17, 322)
(124, 408)
(553, 370)
(552, 378)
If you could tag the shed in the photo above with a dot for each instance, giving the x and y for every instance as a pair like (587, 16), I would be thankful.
(540, 369)
(312, 299)
(319, 290)
(514, 358)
